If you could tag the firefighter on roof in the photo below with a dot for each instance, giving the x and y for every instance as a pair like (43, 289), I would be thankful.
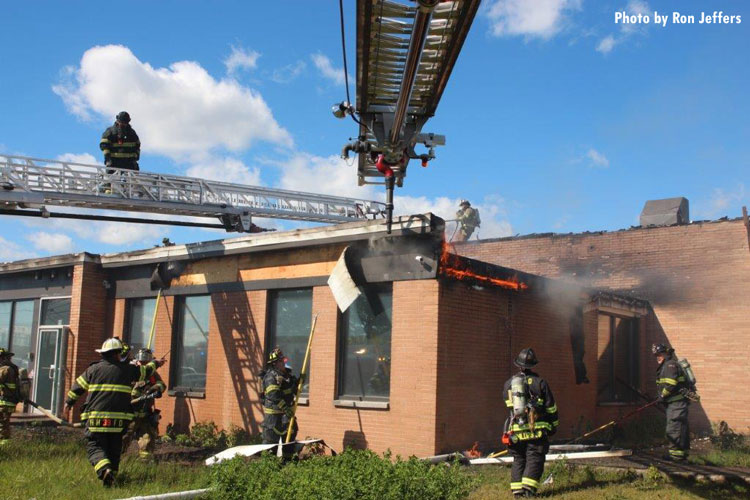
(275, 406)
(107, 411)
(468, 220)
(533, 418)
(145, 425)
(674, 391)
(9, 393)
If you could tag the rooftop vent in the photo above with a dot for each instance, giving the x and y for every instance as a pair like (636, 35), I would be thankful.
(665, 212)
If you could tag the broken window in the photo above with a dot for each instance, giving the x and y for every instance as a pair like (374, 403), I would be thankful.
(138, 325)
(191, 343)
(618, 364)
(289, 321)
(365, 346)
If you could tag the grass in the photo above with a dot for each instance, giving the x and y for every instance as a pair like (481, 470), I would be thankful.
(585, 483)
(53, 465)
(732, 457)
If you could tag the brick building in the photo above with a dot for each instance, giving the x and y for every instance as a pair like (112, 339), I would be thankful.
(696, 278)
(415, 364)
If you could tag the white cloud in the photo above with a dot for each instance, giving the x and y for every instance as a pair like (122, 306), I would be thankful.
(627, 30)
(225, 170)
(51, 243)
(606, 44)
(597, 159)
(287, 73)
(331, 175)
(241, 58)
(85, 158)
(531, 18)
(721, 203)
(325, 67)
(10, 251)
(180, 111)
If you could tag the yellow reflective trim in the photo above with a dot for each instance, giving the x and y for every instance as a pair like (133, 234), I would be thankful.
(10, 386)
(82, 382)
(516, 486)
(527, 481)
(101, 463)
(7, 403)
(552, 409)
(104, 140)
(109, 388)
(669, 381)
(124, 155)
(112, 430)
(106, 414)
(509, 403)
(271, 411)
(72, 395)
(271, 388)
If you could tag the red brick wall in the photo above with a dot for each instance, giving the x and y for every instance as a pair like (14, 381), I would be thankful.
(481, 333)
(88, 316)
(697, 279)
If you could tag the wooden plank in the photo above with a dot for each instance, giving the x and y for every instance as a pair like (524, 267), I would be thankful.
(557, 456)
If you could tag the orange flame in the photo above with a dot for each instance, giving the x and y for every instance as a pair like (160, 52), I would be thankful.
(473, 452)
(452, 267)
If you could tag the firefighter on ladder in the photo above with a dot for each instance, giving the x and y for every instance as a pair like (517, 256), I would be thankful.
(121, 146)
(533, 418)
(674, 392)
(107, 411)
(9, 393)
(144, 428)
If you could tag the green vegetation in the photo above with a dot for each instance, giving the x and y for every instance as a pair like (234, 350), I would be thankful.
(729, 449)
(354, 474)
(51, 463)
(586, 483)
(207, 435)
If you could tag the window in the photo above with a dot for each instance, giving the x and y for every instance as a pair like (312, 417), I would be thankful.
(289, 321)
(189, 371)
(16, 322)
(365, 346)
(138, 326)
(55, 312)
(618, 359)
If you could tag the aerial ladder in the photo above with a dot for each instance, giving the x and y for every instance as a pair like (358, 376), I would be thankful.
(406, 50)
(28, 186)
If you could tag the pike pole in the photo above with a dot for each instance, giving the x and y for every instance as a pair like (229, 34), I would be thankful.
(600, 428)
(153, 322)
(301, 380)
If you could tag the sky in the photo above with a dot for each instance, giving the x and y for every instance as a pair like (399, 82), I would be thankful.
(557, 117)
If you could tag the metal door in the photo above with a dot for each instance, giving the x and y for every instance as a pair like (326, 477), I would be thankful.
(50, 369)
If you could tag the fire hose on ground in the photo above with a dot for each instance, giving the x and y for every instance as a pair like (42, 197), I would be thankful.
(590, 433)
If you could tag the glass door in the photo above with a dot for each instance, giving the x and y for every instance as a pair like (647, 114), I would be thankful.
(50, 369)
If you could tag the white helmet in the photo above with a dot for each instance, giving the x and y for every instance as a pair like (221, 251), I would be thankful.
(113, 344)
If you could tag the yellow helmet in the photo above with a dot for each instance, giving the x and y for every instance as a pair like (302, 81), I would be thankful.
(275, 355)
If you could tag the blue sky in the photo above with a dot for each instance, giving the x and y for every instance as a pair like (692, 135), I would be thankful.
(557, 119)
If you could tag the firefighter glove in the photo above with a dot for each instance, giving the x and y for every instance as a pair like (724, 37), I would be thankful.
(289, 412)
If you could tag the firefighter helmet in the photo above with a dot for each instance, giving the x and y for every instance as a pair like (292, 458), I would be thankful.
(526, 358)
(5, 352)
(123, 117)
(125, 350)
(109, 345)
(144, 355)
(662, 349)
(275, 356)
(464, 203)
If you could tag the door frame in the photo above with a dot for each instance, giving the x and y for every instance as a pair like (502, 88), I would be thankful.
(61, 350)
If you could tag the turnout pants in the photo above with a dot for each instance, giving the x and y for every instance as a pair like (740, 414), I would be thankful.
(528, 465)
(274, 428)
(144, 432)
(678, 432)
(5, 413)
(103, 450)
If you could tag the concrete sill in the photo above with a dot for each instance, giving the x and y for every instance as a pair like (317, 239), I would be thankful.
(365, 405)
(303, 401)
(186, 394)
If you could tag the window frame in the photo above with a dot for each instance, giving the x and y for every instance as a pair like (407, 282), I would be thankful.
(128, 320)
(177, 345)
(269, 345)
(34, 326)
(609, 395)
(346, 400)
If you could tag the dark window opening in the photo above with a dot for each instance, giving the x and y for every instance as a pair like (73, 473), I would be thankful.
(289, 322)
(190, 348)
(55, 312)
(365, 346)
(618, 379)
